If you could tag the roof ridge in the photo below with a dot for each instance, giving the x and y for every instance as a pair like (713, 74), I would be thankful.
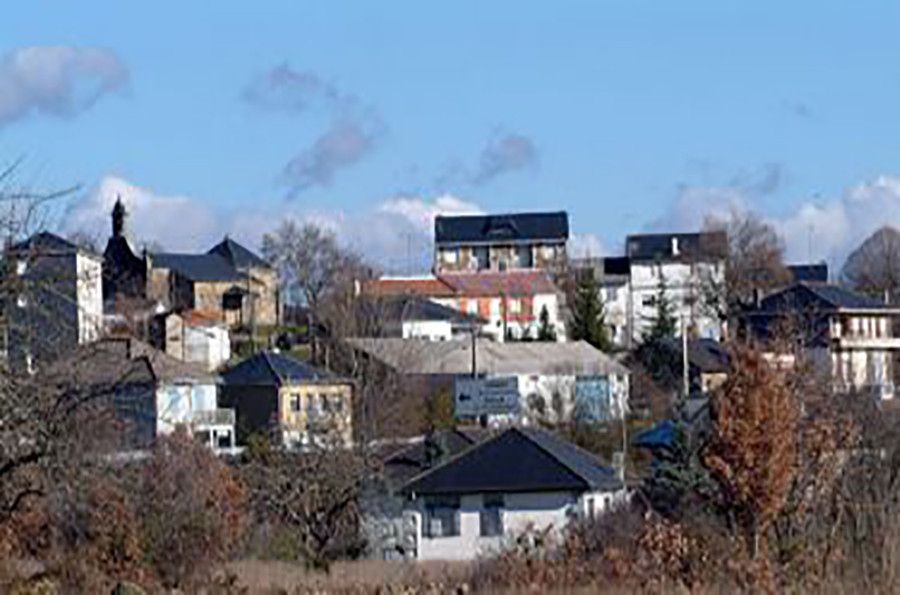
(577, 448)
(265, 355)
(454, 458)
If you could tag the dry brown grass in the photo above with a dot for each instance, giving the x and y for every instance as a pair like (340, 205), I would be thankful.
(265, 577)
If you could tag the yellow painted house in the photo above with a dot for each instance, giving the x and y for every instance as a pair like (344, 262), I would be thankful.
(290, 400)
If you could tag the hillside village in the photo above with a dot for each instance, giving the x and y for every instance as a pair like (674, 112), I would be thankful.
(512, 388)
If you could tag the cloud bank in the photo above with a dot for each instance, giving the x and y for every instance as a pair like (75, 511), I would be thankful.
(824, 229)
(60, 81)
(397, 233)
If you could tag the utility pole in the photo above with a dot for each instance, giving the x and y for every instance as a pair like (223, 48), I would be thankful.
(474, 356)
(684, 359)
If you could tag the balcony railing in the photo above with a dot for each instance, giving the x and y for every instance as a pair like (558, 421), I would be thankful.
(859, 341)
(213, 417)
(882, 391)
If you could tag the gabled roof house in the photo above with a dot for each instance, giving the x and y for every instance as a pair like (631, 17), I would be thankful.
(521, 478)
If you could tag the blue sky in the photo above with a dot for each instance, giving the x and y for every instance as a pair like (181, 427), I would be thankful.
(631, 115)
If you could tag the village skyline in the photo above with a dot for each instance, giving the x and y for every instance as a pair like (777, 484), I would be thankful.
(629, 120)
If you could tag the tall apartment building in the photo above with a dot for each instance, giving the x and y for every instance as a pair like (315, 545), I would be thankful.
(474, 243)
(682, 265)
(55, 300)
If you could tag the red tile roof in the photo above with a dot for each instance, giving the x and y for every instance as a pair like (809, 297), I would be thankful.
(508, 283)
(426, 287)
(202, 318)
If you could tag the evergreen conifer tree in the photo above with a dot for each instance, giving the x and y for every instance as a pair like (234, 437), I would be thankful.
(588, 316)
(546, 332)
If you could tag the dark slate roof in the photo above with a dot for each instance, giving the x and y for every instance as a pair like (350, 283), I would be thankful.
(407, 308)
(706, 356)
(691, 246)
(810, 273)
(616, 265)
(402, 464)
(118, 361)
(517, 460)
(268, 368)
(497, 228)
(816, 296)
(197, 267)
(239, 256)
(46, 242)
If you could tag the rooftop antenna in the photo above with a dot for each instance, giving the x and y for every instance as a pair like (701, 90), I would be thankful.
(812, 230)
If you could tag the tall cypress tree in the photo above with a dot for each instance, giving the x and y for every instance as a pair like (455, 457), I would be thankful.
(588, 316)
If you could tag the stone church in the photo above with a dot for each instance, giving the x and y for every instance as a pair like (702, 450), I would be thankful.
(229, 282)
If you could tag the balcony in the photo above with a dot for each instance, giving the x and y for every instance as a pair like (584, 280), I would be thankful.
(884, 391)
(213, 417)
(858, 342)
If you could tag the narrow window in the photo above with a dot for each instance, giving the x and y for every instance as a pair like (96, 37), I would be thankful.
(442, 516)
(491, 518)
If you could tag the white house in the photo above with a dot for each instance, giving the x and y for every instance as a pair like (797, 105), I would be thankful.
(151, 392)
(613, 278)
(683, 266)
(57, 301)
(500, 242)
(520, 480)
(414, 317)
(514, 381)
(848, 335)
(194, 337)
(510, 303)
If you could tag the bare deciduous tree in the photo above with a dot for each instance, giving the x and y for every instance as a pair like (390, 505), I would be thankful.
(755, 263)
(315, 493)
(311, 265)
(874, 267)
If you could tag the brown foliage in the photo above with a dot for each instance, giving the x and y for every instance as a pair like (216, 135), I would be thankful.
(191, 509)
(753, 452)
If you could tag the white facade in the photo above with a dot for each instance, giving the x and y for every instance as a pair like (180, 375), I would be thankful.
(204, 342)
(522, 314)
(615, 295)
(89, 295)
(194, 406)
(483, 523)
(862, 353)
(550, 398)
(431, 330)
(684, 283)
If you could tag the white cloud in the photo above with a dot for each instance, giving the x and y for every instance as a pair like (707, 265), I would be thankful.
(62, 81)
(823, 229)
(694, 204)
(585, 245)
(395, 233)
(832, 228)
(421, 213)
(178, 222)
